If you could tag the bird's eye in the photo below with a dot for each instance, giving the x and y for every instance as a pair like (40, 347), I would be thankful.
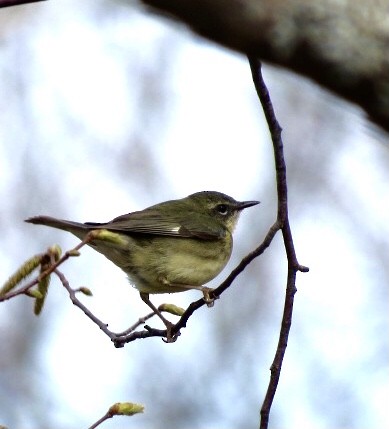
(222, 209)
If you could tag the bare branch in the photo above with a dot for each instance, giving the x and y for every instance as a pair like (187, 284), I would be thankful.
(283, 223)
(80, 305)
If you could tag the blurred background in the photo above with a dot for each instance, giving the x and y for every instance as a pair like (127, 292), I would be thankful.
(105, 109)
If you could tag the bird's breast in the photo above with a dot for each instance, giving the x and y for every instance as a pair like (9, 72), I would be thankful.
(178, 261)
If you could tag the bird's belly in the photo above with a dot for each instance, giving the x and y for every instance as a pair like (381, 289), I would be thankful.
(177, 267)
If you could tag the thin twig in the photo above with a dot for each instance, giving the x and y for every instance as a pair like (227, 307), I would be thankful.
(283, 223)
(72, 294)
(101, 420)
(139, 322)
(115, 337)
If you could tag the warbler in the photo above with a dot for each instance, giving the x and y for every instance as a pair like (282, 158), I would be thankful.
(169, 247)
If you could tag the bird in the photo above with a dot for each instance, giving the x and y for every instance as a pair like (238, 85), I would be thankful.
(173, 246)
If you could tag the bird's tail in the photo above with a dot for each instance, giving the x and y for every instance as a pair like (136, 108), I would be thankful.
(76, 228)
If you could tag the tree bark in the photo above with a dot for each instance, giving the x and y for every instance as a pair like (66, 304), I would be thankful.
(341, 44)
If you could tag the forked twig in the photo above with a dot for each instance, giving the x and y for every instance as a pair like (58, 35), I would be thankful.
(282, 223)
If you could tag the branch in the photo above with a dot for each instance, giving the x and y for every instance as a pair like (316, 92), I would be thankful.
(7, 3)
(283, 223)
(343, 47)
(115, 337)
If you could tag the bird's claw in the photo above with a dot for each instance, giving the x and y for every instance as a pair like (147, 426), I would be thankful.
(170, 337)
(207, 298)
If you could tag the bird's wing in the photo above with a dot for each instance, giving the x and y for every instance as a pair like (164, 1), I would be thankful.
(152, 222)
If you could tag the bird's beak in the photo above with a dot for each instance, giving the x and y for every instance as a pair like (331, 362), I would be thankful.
(244, 204)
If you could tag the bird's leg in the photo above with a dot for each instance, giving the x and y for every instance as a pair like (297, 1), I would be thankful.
(205, 290)
(206, 294)
(169, 325)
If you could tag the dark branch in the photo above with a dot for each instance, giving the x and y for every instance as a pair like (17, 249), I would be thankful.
(283, 223)
(7, 3)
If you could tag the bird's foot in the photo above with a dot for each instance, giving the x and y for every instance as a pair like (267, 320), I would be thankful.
(206, 296)
(170, 336)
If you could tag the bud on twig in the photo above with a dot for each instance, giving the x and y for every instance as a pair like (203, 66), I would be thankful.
(172, 309)
(125, 409)
(86, 291)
